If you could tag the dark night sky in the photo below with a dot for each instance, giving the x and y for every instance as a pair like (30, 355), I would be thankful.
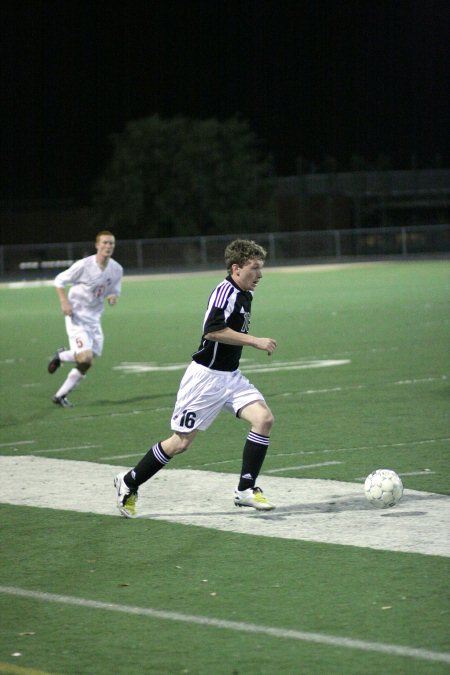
(312, 77)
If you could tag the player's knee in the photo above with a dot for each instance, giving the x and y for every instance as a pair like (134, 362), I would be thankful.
(260, 417)
(264, 420)
(177, 444)
(84, 361)
(268, 420)
(271, 419)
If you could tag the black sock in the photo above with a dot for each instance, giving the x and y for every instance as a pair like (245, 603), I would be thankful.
(150, 464)
(255, 449)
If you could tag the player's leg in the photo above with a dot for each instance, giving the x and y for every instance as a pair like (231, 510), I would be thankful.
(73, 379)
(81, 345)
(250, 405)
(200, 398)
(89, 341)
(257, 442)
(62, 355)
(157, 457)
(84, 360)
(260, 417)
(128, 482)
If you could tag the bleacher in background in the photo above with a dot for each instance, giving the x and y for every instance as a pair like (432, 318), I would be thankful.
(361, 199)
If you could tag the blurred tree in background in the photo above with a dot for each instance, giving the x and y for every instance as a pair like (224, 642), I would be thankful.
(185, 177)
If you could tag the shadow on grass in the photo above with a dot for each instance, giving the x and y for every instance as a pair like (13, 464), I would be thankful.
(134, 399)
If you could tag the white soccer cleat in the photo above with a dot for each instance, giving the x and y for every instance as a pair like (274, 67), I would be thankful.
(253, 497)
(126, 497)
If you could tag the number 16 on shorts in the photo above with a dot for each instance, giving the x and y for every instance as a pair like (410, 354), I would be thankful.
(187, 419)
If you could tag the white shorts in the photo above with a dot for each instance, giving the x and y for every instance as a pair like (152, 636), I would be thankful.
(84, 337)
(203, 393)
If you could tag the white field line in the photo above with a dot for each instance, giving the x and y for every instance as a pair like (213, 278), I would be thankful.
(417, 473)
(75, 447)
(26, 284)
(326, 511)
(127, 456)
(151, 367)
(379, 446)
(352, 387)
(301, 466)
(238, 626)
(296, 366)
(307, 392)
(69, 415)
(14, 443)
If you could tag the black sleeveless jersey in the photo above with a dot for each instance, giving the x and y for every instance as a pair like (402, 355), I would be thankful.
(228, 307)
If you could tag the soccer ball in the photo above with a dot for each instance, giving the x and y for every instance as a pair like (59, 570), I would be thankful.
(383, 488)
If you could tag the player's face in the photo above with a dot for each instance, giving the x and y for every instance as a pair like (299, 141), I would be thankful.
(249, 275)
(105, 245)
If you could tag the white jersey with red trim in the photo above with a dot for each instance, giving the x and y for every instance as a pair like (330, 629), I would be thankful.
(90, 285)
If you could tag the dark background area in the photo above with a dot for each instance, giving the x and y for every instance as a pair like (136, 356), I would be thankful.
(314, 79)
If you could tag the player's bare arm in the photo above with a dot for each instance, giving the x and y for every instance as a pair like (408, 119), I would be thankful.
(229, 336)
(66, 307)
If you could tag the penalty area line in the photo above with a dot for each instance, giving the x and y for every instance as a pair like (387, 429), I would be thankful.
(239, 626)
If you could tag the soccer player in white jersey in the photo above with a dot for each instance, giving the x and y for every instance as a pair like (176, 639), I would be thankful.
(92, 280)
(213, 382)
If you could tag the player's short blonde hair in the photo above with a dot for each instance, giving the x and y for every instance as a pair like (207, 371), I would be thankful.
(104, 233)
(240, 251)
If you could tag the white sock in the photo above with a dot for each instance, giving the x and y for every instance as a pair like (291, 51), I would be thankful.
(67, 356)
(72, 380)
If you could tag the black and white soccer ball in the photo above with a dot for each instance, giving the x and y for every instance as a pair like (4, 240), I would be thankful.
(383, 488)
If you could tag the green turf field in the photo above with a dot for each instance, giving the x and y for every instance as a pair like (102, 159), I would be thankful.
(359, 381)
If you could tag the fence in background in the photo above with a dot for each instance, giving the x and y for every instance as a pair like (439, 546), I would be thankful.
(43, 261)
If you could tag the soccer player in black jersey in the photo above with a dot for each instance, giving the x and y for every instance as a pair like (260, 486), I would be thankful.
(213, 382)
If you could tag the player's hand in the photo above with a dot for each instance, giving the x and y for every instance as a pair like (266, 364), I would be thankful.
(266, 345)
(112, 299)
